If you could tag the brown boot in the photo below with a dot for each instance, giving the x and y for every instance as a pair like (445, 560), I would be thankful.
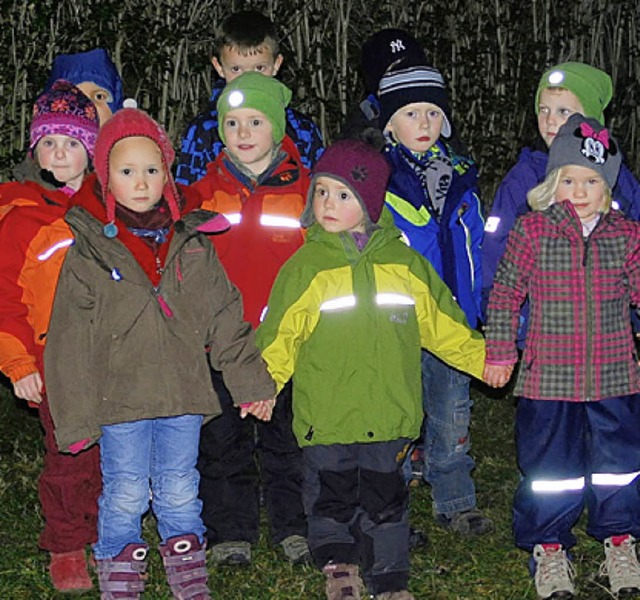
(68, 571)
(185, 563)
(123, 576)
(343, 581)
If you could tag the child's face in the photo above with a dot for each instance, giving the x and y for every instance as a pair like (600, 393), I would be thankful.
(100, 97)
(417, 126)
(136, 173)
(584, 188)
(249, 137)
(555, 107)
(234, 62)
(65, 157)
(336, 207)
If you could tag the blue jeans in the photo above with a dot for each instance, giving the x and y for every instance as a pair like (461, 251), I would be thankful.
(152, 461)
(447, 406)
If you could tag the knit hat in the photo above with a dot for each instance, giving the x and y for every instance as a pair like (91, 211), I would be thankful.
(132, 122)
(387, 48)
(64, 110)
(94, 65)
(584, 142)
(413, 84)
(591, 86)
(360, 167)
(257, 91)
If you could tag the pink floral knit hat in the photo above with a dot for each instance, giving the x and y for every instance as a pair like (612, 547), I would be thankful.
(64, 110)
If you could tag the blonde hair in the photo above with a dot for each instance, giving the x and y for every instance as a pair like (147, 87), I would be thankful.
(543, 195)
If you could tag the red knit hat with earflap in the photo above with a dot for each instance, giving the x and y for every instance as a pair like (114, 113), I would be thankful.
(132, 122)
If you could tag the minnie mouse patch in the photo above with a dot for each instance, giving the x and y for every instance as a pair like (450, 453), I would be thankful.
(597, 146)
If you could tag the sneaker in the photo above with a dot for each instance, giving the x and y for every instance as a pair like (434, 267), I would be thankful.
(554, 572)
(467, 523)
(231, 554)
(343, 582)
(417, 466)
(621, 564)
(401, 595)
(296, 549)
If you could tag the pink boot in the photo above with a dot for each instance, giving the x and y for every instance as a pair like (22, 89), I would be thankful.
(186, 567)
(123, 576)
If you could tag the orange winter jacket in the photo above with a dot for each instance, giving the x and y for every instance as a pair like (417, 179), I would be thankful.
(33, 243)
(265, 222)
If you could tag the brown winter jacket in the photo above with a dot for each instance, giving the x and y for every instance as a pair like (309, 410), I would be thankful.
(120, 349)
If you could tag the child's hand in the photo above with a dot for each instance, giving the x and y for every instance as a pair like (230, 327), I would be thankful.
(497, 375)
(260, 410)
(29, 388)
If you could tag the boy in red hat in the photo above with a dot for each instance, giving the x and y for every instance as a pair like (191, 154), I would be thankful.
(347, 317)
(141, 295)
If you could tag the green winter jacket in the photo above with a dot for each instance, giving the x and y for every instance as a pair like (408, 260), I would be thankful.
(119, 349)
(349, 326)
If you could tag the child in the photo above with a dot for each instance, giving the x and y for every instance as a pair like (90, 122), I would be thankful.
(578, 415)
(246, 41)
(433, 197)
(382, 51)
(141, 294)
(258, 183)
(563, 89)
(95, 74)
(33, 237)
(347, 317)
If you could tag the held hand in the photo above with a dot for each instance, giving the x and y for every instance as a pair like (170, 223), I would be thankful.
(29, 388)
(497, 375)
(260, 410)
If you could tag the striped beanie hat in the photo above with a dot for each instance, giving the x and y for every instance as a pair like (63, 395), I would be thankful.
(413, 84)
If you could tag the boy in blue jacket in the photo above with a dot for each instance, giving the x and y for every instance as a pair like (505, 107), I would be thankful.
(246, 41)
(434, 199)
(563, 90)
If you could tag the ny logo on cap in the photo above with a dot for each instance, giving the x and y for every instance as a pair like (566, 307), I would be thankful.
(397, 46)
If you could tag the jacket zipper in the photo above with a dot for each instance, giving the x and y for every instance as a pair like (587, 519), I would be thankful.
(589, 324)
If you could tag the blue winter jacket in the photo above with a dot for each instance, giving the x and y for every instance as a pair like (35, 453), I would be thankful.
(201, 143)
(451, 243)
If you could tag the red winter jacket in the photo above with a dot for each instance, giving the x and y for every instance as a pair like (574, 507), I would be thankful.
(265, 222)
(33, 243)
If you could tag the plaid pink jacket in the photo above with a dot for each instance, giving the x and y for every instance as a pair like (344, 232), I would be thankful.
(579, 346)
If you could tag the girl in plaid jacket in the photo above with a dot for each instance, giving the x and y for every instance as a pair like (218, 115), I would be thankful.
(578, 416)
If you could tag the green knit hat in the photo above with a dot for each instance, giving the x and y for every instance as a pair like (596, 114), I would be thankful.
(591, 86)
(257, 91)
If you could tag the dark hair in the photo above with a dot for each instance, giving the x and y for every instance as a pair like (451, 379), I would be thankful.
(244, 30)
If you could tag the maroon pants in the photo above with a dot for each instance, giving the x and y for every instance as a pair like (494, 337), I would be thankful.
(69, 488)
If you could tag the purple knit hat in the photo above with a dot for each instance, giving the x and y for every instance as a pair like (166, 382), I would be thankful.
(65, 110)
(360, 167)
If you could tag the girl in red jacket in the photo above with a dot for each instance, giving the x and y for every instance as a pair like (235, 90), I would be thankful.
(33, 240)
(578, 263)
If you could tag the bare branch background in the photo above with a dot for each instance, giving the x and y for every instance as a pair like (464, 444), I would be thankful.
(490, 51)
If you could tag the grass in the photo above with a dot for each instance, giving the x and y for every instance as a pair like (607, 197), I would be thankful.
(449, 568)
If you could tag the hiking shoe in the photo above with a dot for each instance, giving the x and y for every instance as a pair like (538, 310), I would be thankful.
(621, 564)
(231, 554)
(554, 572)
(417, 538)
(343, 582)
(468, 522)
(68, 571)
(401, 595)
(296, 550)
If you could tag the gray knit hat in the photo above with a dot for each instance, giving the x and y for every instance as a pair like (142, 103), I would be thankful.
(584, 142)
(413, 84)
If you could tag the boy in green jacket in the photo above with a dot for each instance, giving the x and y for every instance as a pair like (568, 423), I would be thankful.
(347, 318)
